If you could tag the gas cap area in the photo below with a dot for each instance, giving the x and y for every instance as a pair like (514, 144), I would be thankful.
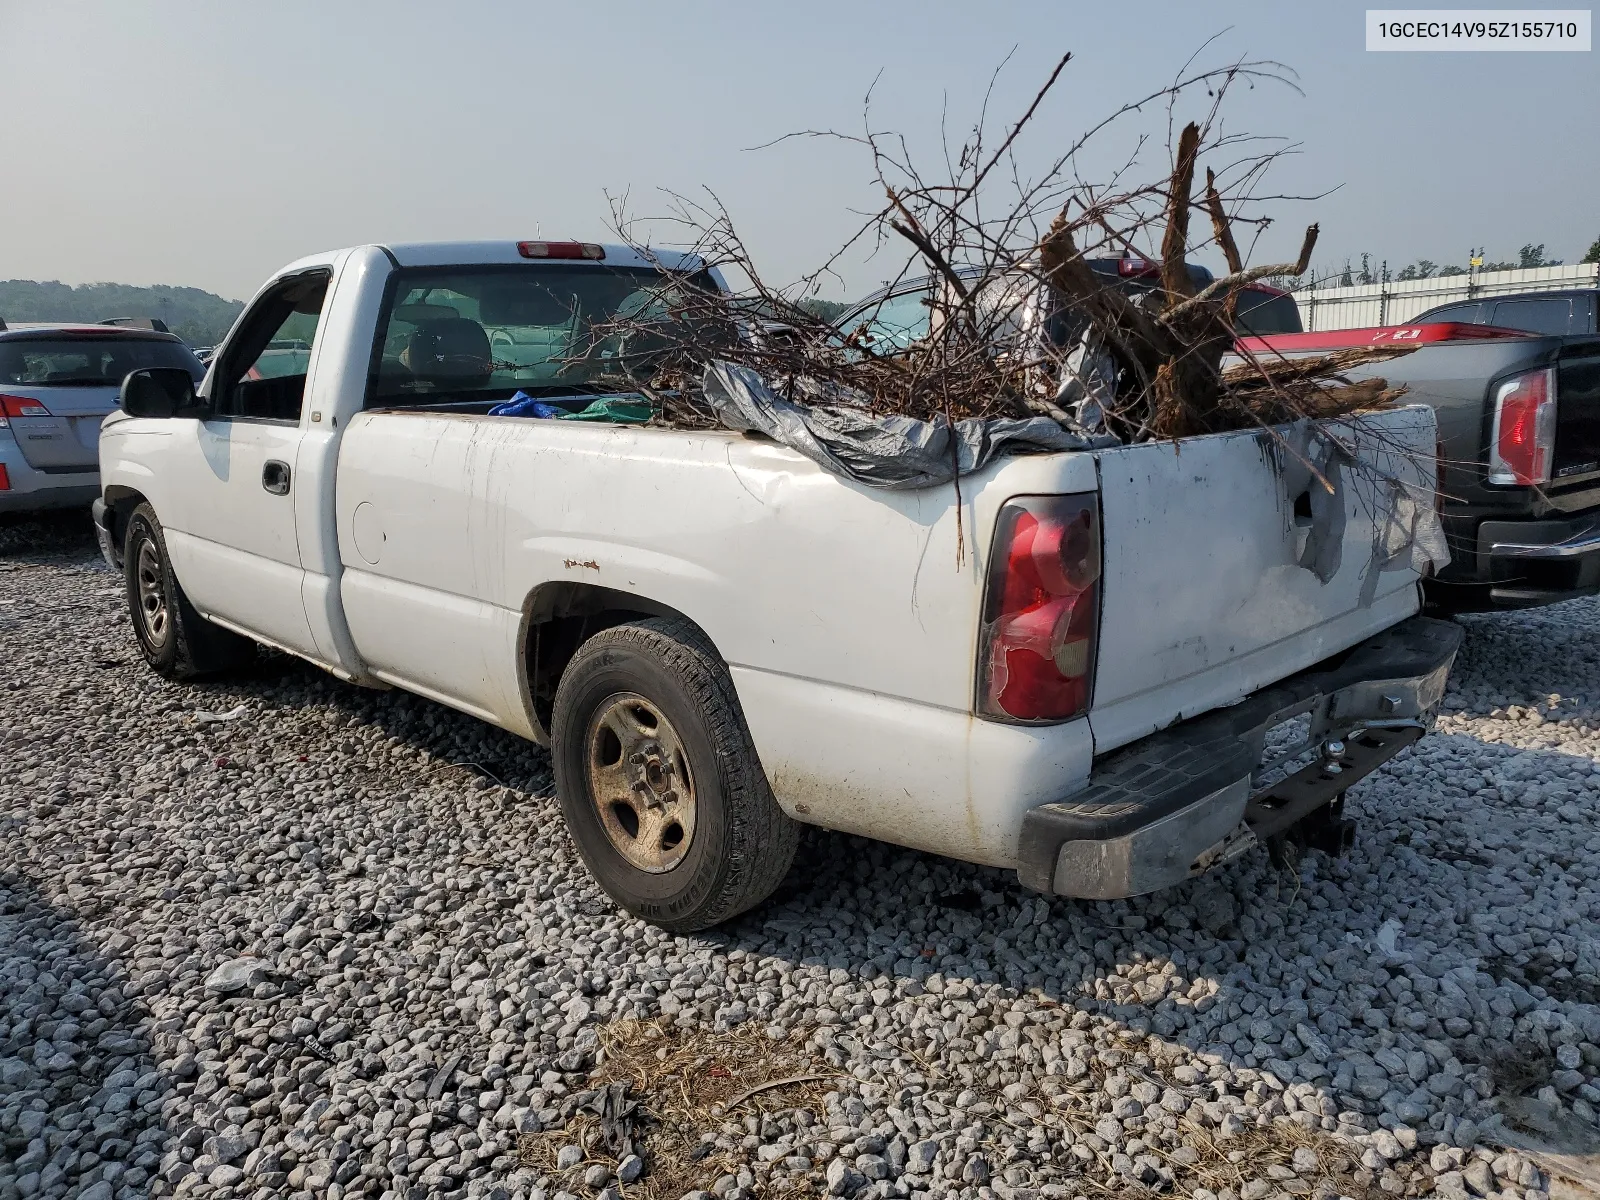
(366, 527)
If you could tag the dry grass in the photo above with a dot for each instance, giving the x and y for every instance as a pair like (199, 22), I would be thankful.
(686, 1084)
(689, 1083)
(1221, 1162)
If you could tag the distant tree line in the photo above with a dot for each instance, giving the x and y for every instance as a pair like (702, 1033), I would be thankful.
(198, 317)
(1370, 271)
(828, 310)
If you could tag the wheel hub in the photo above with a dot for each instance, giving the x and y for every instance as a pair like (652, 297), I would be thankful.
(153, 615)
(639, 783)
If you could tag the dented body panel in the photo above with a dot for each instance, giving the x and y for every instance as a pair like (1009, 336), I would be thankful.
(1204, 599)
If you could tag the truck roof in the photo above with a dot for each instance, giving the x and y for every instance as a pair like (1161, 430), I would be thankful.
(24, 330)
(475, 253)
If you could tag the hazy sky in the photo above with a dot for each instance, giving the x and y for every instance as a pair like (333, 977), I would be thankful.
(208, 143)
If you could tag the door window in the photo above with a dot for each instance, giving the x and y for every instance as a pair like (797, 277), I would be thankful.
(1459, 314)
(262, 375)
(1548, 315)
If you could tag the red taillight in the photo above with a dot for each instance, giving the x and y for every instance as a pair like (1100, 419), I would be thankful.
(1130, 264)
(1524, 441)
(561, 250)
(1036, 651)
(5, 478)
(22, 406)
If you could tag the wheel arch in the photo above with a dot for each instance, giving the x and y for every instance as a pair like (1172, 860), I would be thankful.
(120, 500)
(557, 618)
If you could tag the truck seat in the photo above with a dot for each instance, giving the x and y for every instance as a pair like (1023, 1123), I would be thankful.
(453, 349)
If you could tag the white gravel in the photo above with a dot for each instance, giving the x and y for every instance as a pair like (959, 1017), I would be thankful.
(294, 949)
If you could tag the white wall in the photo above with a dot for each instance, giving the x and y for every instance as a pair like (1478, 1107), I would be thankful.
(1395, 303)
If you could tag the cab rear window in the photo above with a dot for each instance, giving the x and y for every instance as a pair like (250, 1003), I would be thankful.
(88, 361)
(481, 333)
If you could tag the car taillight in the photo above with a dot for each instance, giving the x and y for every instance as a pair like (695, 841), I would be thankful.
(561, 250)
(5, 478)
(1040, 612)
(21, 406)
(1524, 440)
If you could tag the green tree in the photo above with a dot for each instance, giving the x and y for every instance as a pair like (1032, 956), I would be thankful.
(1593, 256)
(198, 317)
(828, 310)
(1533, 256)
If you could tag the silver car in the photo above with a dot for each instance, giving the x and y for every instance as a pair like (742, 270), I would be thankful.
(57, 383)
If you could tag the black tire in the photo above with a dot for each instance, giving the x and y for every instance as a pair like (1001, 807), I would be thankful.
(739, 844)
(175, 640)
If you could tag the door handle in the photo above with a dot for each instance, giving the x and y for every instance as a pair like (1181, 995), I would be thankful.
(275, 477)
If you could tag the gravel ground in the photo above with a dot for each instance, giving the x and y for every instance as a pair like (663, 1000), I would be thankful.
(337, 944)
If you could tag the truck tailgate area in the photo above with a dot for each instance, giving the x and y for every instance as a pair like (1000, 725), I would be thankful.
(1205, 596)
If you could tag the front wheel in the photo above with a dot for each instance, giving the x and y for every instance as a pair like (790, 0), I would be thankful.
(175, 640)
(659, 782)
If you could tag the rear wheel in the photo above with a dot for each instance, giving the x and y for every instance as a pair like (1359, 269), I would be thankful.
(176, 640)
(659, 782)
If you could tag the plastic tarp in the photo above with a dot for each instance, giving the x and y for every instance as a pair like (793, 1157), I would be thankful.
(626, 408)
(897, 453)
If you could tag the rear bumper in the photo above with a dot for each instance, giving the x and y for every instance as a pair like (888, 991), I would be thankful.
(1535, 562)
(32, 490)
(1188, 798)
(1522, 563)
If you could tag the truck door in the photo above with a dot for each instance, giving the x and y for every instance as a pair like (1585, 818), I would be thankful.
(232, 532)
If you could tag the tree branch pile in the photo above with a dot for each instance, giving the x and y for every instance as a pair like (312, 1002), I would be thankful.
(1065, 298)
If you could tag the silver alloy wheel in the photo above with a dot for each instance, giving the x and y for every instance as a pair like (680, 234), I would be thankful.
(153, 613)
(639, 783)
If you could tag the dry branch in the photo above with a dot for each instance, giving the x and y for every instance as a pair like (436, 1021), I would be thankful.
(1020, 323)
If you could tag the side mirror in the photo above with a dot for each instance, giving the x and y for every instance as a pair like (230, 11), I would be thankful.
(159, 392)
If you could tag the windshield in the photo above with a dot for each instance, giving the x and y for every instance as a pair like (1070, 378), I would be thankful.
(96, 361)
(482, 333)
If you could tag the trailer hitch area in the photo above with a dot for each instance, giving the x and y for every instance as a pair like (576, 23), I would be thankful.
(1326, 829)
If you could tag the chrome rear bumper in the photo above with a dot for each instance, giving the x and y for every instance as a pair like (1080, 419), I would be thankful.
(1183, 800)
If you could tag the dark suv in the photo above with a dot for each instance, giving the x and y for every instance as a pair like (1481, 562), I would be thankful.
(1564, 312)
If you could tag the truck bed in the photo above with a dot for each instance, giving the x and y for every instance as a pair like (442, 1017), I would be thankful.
(849, 615)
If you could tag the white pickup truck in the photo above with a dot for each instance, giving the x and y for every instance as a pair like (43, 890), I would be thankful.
(1074, 677)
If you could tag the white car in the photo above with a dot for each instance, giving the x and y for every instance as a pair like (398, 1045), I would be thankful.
(57, 383)
(1072, 674)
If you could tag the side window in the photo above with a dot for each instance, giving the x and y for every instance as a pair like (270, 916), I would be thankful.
(1584, 319)
(897, 321)
(1548, 315)
(1263, 314)
(1458, 314)
(262, 375)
